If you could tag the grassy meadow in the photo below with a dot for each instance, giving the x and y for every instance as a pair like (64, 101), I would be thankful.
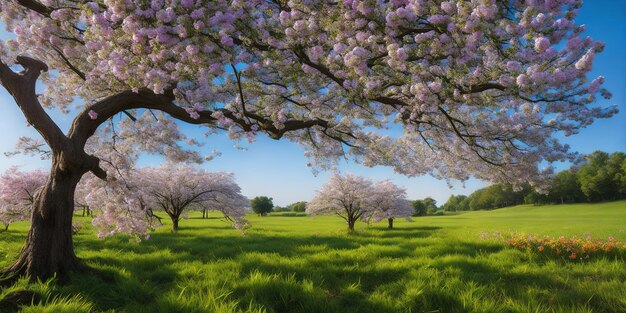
(312, 264)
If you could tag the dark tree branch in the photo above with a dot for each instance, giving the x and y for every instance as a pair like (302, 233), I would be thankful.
(321, 68)
(36, 6)
(84, 126)
(69, 64)
(22, 87)
(483, 87)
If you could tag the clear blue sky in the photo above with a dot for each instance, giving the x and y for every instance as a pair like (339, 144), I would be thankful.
(278, 169)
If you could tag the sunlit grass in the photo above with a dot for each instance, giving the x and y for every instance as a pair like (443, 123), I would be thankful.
(304, 264)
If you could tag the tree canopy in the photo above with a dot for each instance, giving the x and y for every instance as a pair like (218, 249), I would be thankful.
(474, 84)
(601, 177)
(262, 205)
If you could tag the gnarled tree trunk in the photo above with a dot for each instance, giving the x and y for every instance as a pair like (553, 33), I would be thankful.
(49, 248)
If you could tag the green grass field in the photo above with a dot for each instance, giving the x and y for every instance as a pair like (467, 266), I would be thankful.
(305, 264)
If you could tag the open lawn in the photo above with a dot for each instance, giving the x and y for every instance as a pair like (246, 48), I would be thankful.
(305, 264)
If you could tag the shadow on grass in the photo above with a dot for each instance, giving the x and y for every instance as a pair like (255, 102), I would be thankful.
(135, 274)
(219, 270)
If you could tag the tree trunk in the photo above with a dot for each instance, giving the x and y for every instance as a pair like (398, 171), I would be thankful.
(49, 248)
(390, 220)
(6, 227)
(351, 225)
(175, 224)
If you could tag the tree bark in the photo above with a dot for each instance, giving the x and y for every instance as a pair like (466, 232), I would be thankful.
(6, 227)
(175, 224)
(351, 225)
(49, 248)
(390, 220)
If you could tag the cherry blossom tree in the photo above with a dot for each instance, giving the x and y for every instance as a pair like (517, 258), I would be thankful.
(122, 205)
(17, 194)
(176, 188)
(388, 201)
(348, 196)
(83, 190)
(480, 88)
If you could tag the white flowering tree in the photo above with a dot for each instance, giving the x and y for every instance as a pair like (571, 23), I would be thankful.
(348, 196)
(176, 188)
(479, 87)
(119, 205)
(388, 201)
(353, 197)
(17, 194)
(86, 186)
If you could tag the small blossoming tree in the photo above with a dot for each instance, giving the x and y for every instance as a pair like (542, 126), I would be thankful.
(354, 197)
(176, 188)
(347, 196)
(17, 194)
(388, 201)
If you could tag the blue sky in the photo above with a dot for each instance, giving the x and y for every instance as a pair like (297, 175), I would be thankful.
(278, 168)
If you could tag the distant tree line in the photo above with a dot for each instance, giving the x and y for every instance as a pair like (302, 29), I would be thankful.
(297, 207)
(602, 177)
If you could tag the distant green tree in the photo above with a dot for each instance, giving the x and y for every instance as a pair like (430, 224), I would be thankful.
(420, 208)
(431, 205)
(565, 188)
(622, 180)
(461, 203)
(456, 203)
(425, 206)
(616, 169)
(497, 196)
(262, 205)
(600, 177)
(480, 199)
(535, 198)
(297, 206)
